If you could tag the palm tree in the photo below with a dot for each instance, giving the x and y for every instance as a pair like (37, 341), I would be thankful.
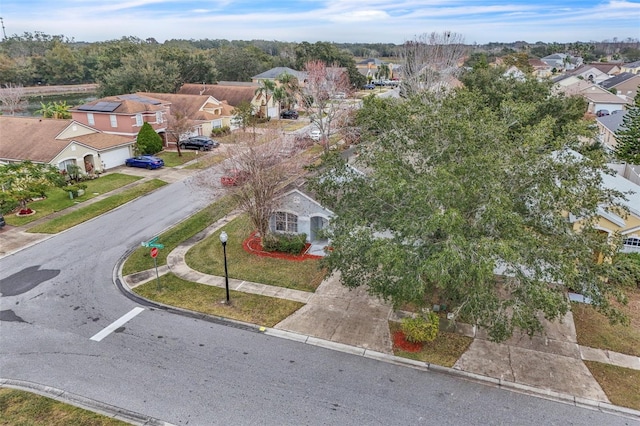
(266, 87)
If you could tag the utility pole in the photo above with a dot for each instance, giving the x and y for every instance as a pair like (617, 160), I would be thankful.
(4, 33)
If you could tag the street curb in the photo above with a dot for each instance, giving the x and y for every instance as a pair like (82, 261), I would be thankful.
(474, 377)
(84, 403)
(354, 350)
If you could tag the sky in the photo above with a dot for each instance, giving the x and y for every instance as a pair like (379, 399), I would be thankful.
(340, 21)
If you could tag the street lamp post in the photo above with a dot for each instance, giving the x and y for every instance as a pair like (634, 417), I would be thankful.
(223, 239)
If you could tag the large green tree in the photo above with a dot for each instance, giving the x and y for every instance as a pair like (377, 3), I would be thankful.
(628, 136)
(145, 71)
(465, 202)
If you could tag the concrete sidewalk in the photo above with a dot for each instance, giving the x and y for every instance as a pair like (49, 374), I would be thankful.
(551, 365)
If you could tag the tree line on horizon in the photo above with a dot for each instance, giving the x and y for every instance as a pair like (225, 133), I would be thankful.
(133, 64)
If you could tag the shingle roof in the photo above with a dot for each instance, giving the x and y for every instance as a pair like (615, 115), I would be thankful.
(612, 122)
(232, 94)
(620, 78)
(37, 139)
(274, 73)
(635, 64)
(123, 104)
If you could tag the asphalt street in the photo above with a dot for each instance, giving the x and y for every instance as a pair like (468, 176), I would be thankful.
(58, 294)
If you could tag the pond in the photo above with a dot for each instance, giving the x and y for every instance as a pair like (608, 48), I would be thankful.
(72, 99)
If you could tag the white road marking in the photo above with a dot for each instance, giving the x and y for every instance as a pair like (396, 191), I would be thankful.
(117, 323)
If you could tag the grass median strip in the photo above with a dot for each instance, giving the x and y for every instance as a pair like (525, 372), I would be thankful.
(96, 209)
(18, 407)
(252, 308)
(621, 385)
(140, 260)
(207, 257)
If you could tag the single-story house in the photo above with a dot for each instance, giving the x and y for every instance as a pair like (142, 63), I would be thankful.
(204, 111)
(625, 84)
(608, 125)
(299, 213)
(632, 67)
(62, 143)
(231, 93)
(597, 97)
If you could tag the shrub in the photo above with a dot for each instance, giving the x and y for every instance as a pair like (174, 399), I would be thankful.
(627, 270)
(221, 131)
(421, 329)
(284, 243)
(75, 188)
(148, 141)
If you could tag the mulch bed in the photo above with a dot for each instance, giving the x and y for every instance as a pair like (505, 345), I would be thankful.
(400, 342)
(253, 245)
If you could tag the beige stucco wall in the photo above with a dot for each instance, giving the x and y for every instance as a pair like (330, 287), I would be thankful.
(75, 152)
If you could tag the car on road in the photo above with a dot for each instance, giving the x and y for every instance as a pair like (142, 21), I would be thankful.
(234, 177)
(369, 86)
(315, 134)
(201, 143)
(145, 162)
(289, 114)
(2, 222)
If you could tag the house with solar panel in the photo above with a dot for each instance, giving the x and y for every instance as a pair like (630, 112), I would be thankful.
(123, 114)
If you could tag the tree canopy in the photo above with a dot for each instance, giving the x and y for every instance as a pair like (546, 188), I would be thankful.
(628, 136)
(465, 202)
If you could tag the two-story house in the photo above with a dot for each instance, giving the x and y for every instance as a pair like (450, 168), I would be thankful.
(123, 114)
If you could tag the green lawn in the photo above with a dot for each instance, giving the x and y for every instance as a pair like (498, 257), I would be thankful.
(206, 161)
(140, 259)
(23, 408)
(252, 308)
(58, 199)
(171, 159)
(207, 257)
(621, 385)
(96, 209)
(594, 330)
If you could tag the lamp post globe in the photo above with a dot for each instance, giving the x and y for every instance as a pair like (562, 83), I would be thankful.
(223, 239)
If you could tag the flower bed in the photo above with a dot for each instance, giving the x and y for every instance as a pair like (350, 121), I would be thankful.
(253, 245)
(25, 212)
(400, 342)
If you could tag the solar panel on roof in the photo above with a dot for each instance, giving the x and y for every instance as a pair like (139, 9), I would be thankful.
(101, 106)
(138, 98)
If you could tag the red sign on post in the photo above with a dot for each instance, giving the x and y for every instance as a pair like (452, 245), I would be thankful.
(154, 252)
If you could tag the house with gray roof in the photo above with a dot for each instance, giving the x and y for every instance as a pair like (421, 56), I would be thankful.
(608, 126)
(276, 72)
(625, 84)
(633, 67)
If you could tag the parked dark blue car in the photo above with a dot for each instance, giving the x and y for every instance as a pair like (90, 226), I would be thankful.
(145, 161)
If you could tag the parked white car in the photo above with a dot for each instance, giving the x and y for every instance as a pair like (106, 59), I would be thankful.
(315, 134)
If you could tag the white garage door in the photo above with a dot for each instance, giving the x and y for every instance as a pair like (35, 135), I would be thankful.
(115, 157)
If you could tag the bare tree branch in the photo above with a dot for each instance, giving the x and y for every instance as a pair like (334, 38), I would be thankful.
(12, 97)
(430, 60)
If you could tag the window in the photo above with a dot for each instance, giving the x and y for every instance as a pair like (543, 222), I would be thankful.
(286, 222)
(216, 124)
(114, 120)
(139, 120)
(159, 118)
(632, 242)
(90, 119)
